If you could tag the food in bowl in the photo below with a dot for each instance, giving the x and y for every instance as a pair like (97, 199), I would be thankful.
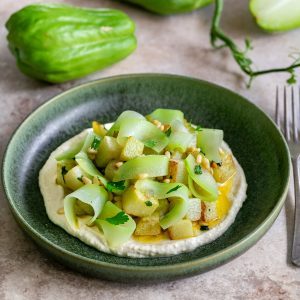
(144, 186)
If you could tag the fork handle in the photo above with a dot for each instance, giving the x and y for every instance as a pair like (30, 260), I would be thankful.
(296, 239)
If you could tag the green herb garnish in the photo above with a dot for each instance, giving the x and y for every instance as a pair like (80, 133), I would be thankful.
(150, 143)
(148, 203)
(118, 185)
(168, 132)
(64, 171)
(95, 143)
(118, 219)
(198, 169)
(199, 128)
(174, 189)
(80, 178)
(204, 228)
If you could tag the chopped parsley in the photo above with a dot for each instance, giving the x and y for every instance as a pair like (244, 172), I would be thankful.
(174, 189)
(198, 170)
(95, 143)
(150, 143)
(64, 171)
(168, 132)
(204, 228)
(118, 185)
(198, 128)
(118, 219)
(148, 203)
(80, 178)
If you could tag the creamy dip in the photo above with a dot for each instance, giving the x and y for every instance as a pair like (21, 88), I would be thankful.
(54, 194)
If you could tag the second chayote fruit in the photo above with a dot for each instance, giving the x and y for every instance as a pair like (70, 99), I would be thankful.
(166, 7)
(57, 43)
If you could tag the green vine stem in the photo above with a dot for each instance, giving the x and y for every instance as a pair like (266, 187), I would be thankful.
(245, 63)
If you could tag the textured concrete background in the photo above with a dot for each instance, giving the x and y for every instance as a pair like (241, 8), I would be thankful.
(180, 45)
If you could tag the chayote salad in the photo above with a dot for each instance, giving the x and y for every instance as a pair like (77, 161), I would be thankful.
(145, 176)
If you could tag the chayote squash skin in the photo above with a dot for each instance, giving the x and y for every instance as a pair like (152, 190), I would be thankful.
(167, 7)
(57, 43)
(276, 16)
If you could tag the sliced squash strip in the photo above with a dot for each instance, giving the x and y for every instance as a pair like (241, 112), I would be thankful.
(177, 194)
(90, 194)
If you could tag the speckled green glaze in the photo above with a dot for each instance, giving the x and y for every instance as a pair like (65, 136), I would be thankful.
(253, 137)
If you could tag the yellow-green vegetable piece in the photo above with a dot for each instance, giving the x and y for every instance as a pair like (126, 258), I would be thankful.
(203, 185)
(148, 225)
(144, 131)
(71, 152)
(183, 229)
(57, 42)
(91, 194)
(85, 208)
(209, 141)
(132, 148)
(166, 116)
(177, 171)
(109, 149)
(88, 167)
(127, 114)
(276, 15)
(166, 7)
(149, 166)
(115, 235)
(73, 179)
(163, 207)
(180, 138)
(177, 194)
(62, 169)
(137, 203)
(111, 170)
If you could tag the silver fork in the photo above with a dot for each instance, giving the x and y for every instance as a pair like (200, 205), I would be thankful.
(291, 128)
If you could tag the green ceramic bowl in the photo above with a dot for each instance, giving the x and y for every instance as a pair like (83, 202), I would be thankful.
(253, 137)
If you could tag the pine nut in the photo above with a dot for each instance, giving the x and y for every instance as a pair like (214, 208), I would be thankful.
(191, 149)
(167, 180)
(168, 154)
(61, 211)
(92, 151)
(167, 127)
(143, 176)
(118, 164)
(86, 180)
(205, 163)
(95, 180)
(199, 159)
(156, 123)
(214, 165)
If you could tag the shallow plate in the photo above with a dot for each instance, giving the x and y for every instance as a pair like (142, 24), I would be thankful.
(254, 139)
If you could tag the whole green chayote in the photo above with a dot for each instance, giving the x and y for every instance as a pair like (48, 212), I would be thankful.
(166, 7)
(57, 43)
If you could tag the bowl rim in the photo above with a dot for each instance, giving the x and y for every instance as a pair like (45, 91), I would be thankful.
(243, 243)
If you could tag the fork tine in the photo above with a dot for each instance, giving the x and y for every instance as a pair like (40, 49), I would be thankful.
(286, 116)
(277, 118)
(294, 113)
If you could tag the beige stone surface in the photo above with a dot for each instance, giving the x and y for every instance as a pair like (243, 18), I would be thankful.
(179, 45)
